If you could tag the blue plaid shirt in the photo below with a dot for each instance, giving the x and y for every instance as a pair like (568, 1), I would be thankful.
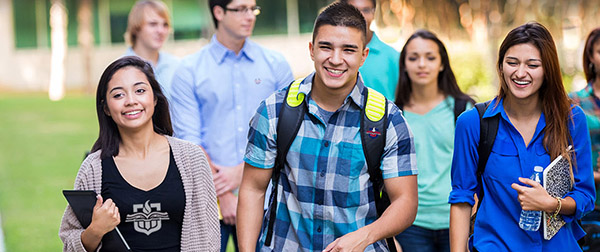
(324, 191)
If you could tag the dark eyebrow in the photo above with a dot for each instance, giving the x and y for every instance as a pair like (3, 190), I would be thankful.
(515, 58)
(137, 83)
(326, 43)
(115, 88)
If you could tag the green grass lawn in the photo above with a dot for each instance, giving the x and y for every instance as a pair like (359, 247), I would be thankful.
(42, 144)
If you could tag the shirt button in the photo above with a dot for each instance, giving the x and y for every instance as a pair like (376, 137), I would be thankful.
(240, 129)
(238, 107)
(319, 229)
(322, 174)
(326, 144)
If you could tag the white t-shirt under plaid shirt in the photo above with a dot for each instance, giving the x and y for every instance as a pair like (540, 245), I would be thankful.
(324, 191)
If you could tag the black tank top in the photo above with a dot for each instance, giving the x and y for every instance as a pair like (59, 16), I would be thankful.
(150, 220)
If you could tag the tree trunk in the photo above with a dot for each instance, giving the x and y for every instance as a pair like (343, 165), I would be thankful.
(58, 37)
(85, 38)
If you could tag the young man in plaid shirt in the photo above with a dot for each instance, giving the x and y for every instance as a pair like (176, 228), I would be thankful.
(325, 198)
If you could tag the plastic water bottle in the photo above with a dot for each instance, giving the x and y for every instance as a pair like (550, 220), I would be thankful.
(530, 220)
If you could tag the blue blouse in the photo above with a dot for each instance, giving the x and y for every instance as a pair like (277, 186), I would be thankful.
(496, 227)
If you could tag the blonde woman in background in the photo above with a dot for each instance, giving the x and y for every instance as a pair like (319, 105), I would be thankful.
(148, 27)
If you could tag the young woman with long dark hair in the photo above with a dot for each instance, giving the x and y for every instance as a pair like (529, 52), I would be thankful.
(588, 99)
(537, 122)
(138, 170)
(428, 93)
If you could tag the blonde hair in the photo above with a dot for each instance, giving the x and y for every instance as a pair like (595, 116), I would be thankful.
(136, 17)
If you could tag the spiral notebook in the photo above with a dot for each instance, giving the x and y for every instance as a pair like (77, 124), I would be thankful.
(557, 182)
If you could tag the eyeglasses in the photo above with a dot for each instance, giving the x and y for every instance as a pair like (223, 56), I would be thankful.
(244, 10)
(367, 10)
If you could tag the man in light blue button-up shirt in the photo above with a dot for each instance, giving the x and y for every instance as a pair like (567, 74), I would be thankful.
(216, 91)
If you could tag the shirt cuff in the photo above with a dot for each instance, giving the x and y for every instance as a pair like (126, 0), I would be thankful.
(399, 174)
(257, 164)
(461, 196)
(579, 207)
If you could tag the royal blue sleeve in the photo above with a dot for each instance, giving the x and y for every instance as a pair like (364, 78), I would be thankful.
(583, 191)
(465, 157)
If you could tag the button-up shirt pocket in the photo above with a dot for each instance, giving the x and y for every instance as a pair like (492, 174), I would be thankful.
(504, 154)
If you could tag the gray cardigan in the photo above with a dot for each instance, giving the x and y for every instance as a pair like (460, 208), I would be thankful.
(200, 230)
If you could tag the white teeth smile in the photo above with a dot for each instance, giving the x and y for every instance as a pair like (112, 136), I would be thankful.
(334, 71)
(522, 82)
(133, 112)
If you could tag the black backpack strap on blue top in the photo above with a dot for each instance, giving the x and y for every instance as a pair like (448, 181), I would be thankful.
(460, 105)
(291, 114)
(488, 128)
(373, 128)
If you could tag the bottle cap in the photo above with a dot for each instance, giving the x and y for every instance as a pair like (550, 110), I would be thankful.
(538, 168)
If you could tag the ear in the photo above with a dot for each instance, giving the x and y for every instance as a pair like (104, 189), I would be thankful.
(310, 50)
(105, 108)
(365, 54)
(441, 68)
(218, 12)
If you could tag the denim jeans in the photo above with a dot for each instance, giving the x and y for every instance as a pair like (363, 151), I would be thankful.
(227, 230)
(419, 239)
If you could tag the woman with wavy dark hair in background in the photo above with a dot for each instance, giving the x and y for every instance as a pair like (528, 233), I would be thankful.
(588, 99)
(537, 122)
(428, 95)
(136, 166)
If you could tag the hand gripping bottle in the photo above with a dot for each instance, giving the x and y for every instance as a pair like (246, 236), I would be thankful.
(530, 220)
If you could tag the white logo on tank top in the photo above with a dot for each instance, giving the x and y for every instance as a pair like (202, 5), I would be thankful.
(147, 221)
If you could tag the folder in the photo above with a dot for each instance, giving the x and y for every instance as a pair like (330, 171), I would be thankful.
(82, 202)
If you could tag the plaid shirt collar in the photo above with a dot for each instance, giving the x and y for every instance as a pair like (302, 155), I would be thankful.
(356, 95)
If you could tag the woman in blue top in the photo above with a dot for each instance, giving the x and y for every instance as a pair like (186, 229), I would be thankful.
(427, 91)
(537, 123)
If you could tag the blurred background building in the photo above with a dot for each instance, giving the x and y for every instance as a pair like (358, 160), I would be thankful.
(471, 29)
(95, 28)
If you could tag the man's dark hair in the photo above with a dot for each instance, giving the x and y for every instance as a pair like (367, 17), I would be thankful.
(211, 5)
(341, 14)
(372, 1)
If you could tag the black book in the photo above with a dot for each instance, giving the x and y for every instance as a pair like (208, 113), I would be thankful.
(82, 202)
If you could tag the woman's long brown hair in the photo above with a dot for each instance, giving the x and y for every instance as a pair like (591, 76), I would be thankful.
(556, 105)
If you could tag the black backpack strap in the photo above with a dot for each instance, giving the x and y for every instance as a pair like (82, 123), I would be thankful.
(373, 128)
(460, 105)
(488, 129)
(291, 115)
